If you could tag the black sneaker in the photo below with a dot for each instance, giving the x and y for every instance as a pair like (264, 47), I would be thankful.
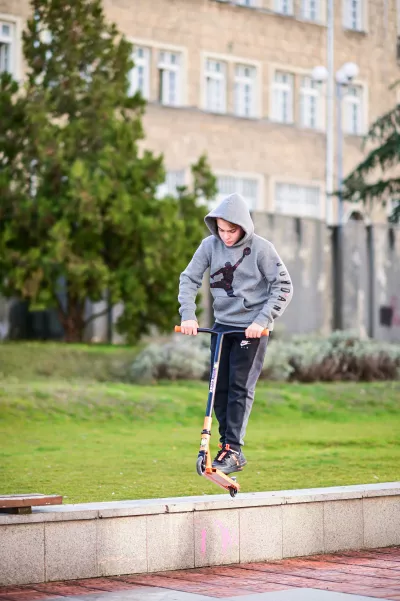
(215, 463)
(228, 460)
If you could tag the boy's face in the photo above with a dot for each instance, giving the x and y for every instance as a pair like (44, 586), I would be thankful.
(229, 232)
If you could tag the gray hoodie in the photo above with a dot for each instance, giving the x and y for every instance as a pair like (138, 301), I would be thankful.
(248, 281)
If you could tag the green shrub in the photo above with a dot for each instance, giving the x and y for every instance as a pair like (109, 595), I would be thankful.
(182, 358)
(340, 356)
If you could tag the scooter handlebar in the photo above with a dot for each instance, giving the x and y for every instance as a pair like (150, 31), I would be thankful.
(209, 331)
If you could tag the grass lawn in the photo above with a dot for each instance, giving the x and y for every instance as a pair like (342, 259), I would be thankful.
(96, 441)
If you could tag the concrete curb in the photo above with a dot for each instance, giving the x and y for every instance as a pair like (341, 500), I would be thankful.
(124, 537)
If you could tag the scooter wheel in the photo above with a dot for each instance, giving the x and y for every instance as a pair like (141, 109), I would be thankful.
(232, 491)
(200, 466)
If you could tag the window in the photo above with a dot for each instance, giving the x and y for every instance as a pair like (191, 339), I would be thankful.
(300, 201)
(310, 104)
(169, 66)
(139, 77)
(215, 86)
(393, 210)
(246, 186)
(245, 88)
(353, 14)
(282, 101)
(353, 122)
(7, 44)
(311, 10)
(284, 7)
(252, 3)
(173, 180)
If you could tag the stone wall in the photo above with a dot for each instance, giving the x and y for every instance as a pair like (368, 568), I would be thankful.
(306, 249)
(386, 283)
(89, 540)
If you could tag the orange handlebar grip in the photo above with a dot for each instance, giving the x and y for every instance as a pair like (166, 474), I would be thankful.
(263, 333)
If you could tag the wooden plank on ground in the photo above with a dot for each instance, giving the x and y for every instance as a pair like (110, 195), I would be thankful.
(22, 503)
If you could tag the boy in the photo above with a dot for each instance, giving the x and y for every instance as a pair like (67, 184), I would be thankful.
(251, 287)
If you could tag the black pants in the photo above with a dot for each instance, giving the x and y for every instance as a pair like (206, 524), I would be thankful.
(239, 369)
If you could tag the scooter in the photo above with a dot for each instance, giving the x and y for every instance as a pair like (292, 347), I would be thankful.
(203, 463)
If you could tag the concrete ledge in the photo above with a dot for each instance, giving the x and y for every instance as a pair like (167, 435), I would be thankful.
(125, 537)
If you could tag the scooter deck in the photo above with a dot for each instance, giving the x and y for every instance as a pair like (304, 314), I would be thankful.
(221, 479)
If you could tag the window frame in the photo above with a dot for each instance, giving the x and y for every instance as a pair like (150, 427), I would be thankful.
(363, 104)
(231, 62)
(164, 67)
(242, 176)
(320, 12)
(296, 73)
(140, 62)
(275, 86)
(317, 184)
(155, 46)
(214, 76)
(314, 91)
(164, 189)
(242, 80)
(254, 3)
(15, 43)
(277, 8)
(392, 205)
(346, 17)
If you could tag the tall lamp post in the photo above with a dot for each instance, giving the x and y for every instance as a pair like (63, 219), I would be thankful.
(330, 107)
(343, 77)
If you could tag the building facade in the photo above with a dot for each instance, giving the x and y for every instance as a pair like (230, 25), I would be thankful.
(232, 78)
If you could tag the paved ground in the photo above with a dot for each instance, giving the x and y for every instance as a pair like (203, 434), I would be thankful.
(350, 576)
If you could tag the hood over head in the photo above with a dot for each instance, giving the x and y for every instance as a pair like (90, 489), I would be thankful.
(235, 210)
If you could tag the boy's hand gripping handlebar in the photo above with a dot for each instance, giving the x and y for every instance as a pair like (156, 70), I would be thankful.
(263, 333)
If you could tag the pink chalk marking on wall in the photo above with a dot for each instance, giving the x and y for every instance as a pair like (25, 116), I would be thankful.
(227, 539)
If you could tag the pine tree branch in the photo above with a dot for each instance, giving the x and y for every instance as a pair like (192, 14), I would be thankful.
(385, 136)
(356, 190)
(385, 156)
(384, 126)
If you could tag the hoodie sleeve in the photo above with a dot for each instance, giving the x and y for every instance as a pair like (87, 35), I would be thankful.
(281, 288)
(190, 281)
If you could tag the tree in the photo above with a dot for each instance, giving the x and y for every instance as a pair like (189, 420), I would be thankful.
(367, 182)
(169, 231)
(79, 213)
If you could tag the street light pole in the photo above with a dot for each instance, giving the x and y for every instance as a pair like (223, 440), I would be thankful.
(339, 283)
(329, 113)
(342, 78)
(339, 97)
